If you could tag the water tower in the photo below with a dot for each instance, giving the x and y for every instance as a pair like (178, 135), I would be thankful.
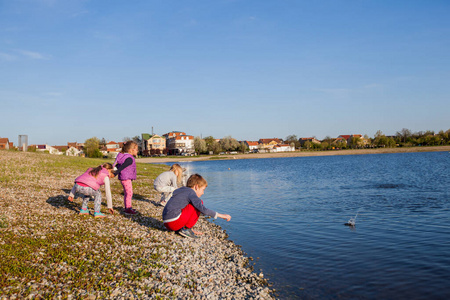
(23, 142)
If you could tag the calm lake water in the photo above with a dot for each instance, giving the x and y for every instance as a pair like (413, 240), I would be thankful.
(289, 214)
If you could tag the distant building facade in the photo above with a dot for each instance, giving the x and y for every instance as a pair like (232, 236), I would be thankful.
(4, 144)
(251, 145)
(269, 143)
(153, 144)
(178, 142)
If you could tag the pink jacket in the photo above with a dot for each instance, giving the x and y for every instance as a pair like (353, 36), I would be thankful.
(91, 181)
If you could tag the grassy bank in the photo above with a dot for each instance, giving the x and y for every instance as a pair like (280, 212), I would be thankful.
(47, 250)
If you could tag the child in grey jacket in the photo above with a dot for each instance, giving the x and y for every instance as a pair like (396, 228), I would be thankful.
(168, 182)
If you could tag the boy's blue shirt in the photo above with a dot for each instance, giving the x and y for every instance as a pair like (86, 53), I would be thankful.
(180, 199)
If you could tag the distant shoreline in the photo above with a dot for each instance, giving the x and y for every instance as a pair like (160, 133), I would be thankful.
(174, 159)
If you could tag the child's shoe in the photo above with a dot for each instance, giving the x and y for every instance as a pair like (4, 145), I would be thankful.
(187, 232)
(84, 211)
(98, 214)
(130, 211)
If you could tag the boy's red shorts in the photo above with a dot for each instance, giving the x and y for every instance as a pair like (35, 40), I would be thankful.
(189, 217)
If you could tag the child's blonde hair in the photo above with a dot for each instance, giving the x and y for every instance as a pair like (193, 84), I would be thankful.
(196, 179)
(94, 172)
(179, 170)
(128, 145)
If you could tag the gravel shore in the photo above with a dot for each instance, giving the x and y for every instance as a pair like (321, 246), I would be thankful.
(47, 250)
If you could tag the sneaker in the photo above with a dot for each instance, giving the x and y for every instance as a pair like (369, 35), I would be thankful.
(98, 214)
(163, 203)
(84, 211)
(130, 211)
(70, 198)
(187, 232)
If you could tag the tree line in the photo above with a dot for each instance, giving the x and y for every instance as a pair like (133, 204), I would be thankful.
(402, 138)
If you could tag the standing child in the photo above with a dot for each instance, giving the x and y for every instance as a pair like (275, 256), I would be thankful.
(88, 185)
(167, 182)
(183, 210)
(126, 168)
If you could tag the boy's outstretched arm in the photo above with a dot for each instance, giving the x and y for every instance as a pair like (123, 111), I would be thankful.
(224, 216)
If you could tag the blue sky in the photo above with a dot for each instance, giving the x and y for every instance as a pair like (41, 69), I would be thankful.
(71, 70)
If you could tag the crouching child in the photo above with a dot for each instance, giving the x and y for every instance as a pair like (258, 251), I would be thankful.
(182, 211)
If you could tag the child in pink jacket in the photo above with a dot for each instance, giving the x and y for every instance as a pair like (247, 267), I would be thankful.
(88, 185)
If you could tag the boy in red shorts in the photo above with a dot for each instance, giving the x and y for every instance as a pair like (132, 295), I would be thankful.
(182, 211)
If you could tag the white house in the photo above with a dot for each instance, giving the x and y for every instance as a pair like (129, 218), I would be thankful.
(178, 142)
(252, 145)
(72, 151)
(283, 148)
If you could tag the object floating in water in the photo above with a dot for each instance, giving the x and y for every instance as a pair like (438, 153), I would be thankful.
(350, 222)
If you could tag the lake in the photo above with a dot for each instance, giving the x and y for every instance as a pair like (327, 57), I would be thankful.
(289, 215)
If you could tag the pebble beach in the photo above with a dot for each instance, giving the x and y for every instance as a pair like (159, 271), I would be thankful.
(48, 250)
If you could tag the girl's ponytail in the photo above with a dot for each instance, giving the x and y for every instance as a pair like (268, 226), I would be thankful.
(94, 172)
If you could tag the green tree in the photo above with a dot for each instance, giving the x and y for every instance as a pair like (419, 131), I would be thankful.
(200, 145)
(91, 147)
(243, 147)
(292, 139)
(328, 141)
(229, 144)
(355, 142)
(391, 143)
(404, 135)
(379, 140)
(444, 136)
(212, 145)
(209, 140)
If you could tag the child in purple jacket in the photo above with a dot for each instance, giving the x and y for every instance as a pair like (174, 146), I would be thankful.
(126, 169)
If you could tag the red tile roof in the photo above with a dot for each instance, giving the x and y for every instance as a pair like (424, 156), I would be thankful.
(252, 143)
(267, 141)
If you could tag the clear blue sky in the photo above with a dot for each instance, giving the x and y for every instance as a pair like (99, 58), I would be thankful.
(71, 70)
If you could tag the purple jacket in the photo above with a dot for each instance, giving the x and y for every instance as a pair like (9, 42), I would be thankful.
(129, 173)
(91, 181)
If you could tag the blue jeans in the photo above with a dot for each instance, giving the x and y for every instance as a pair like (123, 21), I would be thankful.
(87, 193)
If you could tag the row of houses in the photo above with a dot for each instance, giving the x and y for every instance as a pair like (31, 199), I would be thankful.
(269, 145)
(179, 143)
(278, 145)
(172, 143)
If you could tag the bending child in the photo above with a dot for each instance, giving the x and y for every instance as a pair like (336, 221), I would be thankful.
(88, 184)
(182, 211)
(126, 168)
(167, 182)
